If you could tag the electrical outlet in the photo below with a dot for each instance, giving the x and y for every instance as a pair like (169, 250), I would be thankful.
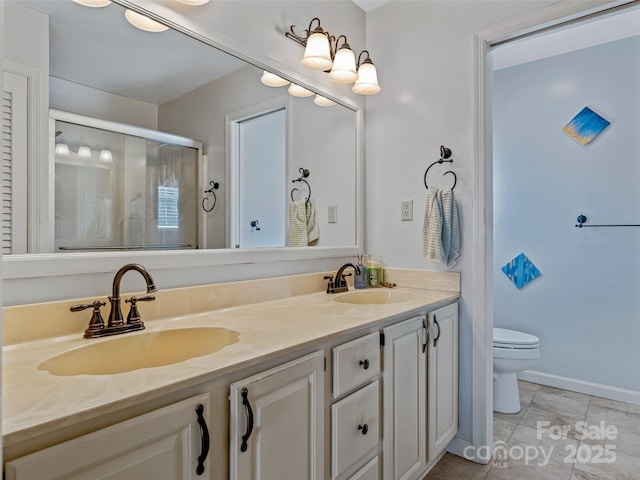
(406, 210)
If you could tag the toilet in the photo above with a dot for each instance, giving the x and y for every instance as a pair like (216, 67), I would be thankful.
(513, 352)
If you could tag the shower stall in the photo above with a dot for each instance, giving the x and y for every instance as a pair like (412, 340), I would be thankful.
(119, 187)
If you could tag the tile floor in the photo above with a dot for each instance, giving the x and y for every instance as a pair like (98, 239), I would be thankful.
(591, 451)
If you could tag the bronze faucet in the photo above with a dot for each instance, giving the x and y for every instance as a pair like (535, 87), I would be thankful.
(116, 322)
(340, 283)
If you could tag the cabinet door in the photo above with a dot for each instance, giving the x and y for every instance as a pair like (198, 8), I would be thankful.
(276, 423)
(165, 443)
(443, 378)
(404, 399)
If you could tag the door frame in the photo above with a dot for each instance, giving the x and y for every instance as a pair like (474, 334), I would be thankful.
(480, 449)
(232, 149)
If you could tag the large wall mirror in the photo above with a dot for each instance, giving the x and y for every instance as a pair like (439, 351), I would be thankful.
(129, 139)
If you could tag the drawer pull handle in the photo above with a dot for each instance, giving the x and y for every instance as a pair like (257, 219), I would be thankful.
(204, 432)
(364, 428)
(436, 337)
(249, 412)
(364, 363)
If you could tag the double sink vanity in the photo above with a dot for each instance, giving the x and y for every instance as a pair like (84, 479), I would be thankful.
(271, 379)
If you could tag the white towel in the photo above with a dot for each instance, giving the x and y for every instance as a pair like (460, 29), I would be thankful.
(313, 232)
(441, 229)
(297, 235)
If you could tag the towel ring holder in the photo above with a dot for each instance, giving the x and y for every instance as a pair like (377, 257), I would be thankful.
(445, 157)
(213, 186)
(304, 173)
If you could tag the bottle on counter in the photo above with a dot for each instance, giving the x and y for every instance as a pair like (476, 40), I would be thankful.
(361, 280)
(374, 271)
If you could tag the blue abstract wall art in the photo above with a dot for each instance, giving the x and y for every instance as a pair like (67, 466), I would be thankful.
(521, 271)
(585, 126)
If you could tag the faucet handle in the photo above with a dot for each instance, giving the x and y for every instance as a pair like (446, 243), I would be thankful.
(96, 324)
(133, 318)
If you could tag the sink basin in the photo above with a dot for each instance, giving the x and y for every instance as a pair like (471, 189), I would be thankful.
(374, 297)
(134, 351)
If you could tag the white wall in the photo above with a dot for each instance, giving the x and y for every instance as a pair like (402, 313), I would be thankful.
(76, 98)
(585, 305)
(424, 54)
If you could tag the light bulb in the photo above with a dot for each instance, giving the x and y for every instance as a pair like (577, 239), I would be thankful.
(298, 91)
(367, 83)
(93, 3)
(62, 149)
(273, 80)
(323, 101)
(344, 66)
(143, 22)
(317, 55)
(84, 152)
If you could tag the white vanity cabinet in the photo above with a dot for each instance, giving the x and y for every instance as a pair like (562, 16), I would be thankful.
(166, 443)
(276, 422)
(355, 417)
(420, 395)
(443, 379)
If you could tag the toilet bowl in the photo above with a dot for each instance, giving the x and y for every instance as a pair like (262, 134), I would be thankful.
(513, 352)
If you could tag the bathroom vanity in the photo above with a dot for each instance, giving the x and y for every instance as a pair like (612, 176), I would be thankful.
(306, 385)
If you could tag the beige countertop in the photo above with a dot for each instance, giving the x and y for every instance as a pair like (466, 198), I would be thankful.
(37, 402)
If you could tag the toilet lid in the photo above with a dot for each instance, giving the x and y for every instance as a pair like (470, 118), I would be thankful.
(503, 336)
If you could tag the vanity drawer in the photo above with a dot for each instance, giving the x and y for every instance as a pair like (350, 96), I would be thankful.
(354, 427)
(355, 363)
(371, 471)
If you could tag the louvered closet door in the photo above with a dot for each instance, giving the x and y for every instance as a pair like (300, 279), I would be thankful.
(14, 163)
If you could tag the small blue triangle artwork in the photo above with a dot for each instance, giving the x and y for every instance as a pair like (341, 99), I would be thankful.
(521, 271)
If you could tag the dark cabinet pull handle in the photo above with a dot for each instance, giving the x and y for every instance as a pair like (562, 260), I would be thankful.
(249, 412)
(364, 363)
(364, 428)
(426, 335)
(204, 432)
(435, 338)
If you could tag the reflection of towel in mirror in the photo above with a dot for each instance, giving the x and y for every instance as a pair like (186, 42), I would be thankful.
(303, 227)
(441, 229)
(313, 232)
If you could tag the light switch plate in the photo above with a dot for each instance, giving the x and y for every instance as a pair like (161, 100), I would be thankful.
(332, 214)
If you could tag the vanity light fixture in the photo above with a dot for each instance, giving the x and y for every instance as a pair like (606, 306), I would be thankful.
(62, 149)
(106, 156)
(324, 51)
(93, 3)
(272, 80)
(298, 91)
(84, 152)
(323, 101)
(143, 22)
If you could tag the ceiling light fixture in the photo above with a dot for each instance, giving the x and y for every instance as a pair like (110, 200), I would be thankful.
(93, 3)
(272, 80)
(323, 51)
(143, 22)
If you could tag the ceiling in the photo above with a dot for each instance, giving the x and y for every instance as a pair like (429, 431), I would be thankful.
(368, 5)
(98, 48)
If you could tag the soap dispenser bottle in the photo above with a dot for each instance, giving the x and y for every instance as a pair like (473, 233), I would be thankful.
(360, 280)
(374, 271)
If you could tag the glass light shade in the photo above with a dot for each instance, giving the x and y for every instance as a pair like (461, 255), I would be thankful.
(367, 83)
(194, 2)
(93, 3)
(62, 149)
(317, 55)
(298, 91)
(344, 67)
(273, 80)
(106, 156)
(84, 152)
(144, 23)
(323, 101)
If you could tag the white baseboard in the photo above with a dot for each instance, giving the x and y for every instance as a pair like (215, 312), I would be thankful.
(581, 386)
(457, 447)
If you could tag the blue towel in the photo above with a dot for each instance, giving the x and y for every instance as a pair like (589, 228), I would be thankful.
(441, 228)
